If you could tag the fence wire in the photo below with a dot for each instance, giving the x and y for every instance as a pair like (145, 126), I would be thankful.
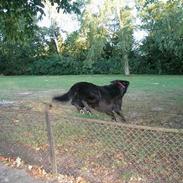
(119, 152)
(99, 151)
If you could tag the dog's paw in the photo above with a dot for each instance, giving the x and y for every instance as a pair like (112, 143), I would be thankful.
(89, 113)
(123, 120)
(113, 119)
(82, 111)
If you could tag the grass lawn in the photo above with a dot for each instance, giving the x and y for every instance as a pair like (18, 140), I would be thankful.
(147, 83)
(151, 99)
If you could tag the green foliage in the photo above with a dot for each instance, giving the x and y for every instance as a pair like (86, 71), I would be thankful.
(93, 32)
(15, 57)
(162, 50)
(153, 61)
(103, 44)
(107, 66)
(125, 34)
(17, 17)
(55, 65)
(59, 65)
(75, 46)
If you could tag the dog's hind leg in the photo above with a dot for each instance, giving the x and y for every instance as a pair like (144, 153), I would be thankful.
(81, 105)
(86, 107)
(78, 104)
(113, 118)
(121, 116)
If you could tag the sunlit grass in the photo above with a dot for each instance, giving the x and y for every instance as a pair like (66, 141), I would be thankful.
(10, 85)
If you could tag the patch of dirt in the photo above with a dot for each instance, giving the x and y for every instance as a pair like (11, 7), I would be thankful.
(12, 175)
(27, 153)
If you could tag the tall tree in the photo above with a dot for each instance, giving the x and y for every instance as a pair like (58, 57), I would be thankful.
(125, 35)
(163, 20)
(17, 17)
(92, 29)
(54, 30)
(108, 19)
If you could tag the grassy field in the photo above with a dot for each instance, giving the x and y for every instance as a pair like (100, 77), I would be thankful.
(151, 99)
(100, 148)
(147, 83)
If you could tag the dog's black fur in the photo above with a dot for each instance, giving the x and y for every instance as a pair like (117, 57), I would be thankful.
(107, 99)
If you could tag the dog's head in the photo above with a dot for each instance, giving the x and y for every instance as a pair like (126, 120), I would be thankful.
(122, 85)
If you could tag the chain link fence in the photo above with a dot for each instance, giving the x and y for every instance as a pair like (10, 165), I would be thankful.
(100, 151)
(23, 134)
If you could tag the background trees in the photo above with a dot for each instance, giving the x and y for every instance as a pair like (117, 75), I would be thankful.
(17, 17)
(162, 49)
(104, 43)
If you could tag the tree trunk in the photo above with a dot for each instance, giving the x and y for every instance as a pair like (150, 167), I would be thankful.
(56, 44)
(126, 65)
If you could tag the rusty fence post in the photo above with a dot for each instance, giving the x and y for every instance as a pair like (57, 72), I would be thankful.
(51, 142)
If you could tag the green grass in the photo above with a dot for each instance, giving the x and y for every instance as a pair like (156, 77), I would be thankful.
(63, 82)
(139, 83)
(145, 93)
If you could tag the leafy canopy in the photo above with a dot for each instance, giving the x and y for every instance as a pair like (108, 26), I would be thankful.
(17, 18)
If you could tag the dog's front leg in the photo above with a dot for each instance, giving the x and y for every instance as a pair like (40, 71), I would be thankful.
(121, 116)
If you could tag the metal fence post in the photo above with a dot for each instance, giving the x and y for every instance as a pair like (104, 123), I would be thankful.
(52, 150)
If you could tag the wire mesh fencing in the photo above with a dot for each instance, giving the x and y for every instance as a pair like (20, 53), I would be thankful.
(23, 134)
(100, 151)
(114, 152)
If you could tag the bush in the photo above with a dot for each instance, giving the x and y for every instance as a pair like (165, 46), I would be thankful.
(14, 67)
(59, 65)
(107, 66)
(55, 65)
(146, 65)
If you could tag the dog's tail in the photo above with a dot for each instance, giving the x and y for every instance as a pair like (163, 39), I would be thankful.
(62, 98)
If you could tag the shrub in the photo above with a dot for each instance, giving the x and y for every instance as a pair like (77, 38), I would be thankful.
(55, 65)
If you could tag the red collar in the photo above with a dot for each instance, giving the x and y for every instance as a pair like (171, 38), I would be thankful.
(121, 85)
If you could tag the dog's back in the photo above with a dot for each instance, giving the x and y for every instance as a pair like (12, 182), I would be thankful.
(83, 90)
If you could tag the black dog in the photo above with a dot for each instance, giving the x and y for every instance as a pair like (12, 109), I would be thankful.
(107, 99)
